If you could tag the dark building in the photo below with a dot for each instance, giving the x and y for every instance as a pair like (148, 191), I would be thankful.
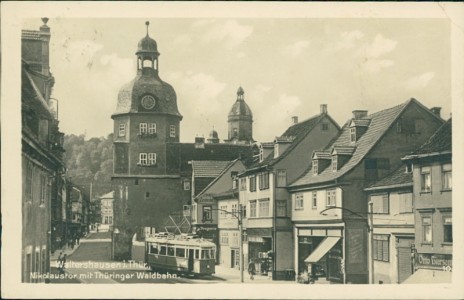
(151, 168)
(431, 167)
(42, 157)
(330, 206)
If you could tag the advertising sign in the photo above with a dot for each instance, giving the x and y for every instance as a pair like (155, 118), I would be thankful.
(434, 261)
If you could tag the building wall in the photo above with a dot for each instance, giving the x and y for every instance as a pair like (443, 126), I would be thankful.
(35, 220)
(247, 196)
(437, 204)
(314, 214)
(300, 158)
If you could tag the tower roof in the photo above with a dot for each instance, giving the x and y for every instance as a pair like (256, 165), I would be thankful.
(240, 108)
(147, 45)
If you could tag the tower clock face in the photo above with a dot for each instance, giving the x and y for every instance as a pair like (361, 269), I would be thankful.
(148, 102)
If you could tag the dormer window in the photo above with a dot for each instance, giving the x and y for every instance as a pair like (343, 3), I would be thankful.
(334, 163)
(315, 167)
(276, 150)
(353, 134)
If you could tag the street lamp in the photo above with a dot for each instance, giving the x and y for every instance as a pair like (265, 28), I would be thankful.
(113, 232)
(370, 228)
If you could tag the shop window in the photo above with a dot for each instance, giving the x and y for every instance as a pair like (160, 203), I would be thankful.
(447, 229)
(281, 178)
(331, 198)
(281, 208)
(426, 180)
(172, 130)
(122, 130)
(299, 201)
(447, 179)
(263, 181)
(252, 183)
(381, 204)
(314, 200)
(381, 249)
(253, 209)
(427, 229)
(264, 208)
(406, 204)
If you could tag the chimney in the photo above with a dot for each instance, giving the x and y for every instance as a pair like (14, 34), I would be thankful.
(359, 114)
(436, 110)
(199, 142)
(323, 108)
(294, 120)
(45, 37)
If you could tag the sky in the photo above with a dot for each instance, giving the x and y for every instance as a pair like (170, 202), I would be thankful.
(287, 67)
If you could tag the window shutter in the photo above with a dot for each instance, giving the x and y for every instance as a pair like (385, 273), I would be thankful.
(385, 250)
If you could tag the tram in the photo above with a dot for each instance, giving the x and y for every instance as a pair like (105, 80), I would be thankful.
(183, 254)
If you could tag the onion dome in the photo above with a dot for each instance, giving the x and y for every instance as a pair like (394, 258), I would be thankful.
(213, 134)
(240, 109)
(147, 45)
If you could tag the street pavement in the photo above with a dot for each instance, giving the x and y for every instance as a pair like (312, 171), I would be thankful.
(89, 262)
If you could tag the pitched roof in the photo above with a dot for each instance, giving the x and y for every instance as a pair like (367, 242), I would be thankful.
(439, 143)
(380, 123)
(397, 178)
(179, 154)
(297, 133)
(208, 168)
(224, 171)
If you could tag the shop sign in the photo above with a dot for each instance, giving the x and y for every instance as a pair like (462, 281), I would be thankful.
(205, 199)
(206, 229)
(435, 261)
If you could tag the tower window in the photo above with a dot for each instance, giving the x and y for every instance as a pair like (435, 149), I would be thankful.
(151, 159)
(122, 129)
(143, 158)
(172, 130)
(143, 128)
(235, 132)
(152, 128)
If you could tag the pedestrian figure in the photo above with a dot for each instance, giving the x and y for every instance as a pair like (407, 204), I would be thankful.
(251, 269)
(59, 261)
(78, 239)
(63, 263)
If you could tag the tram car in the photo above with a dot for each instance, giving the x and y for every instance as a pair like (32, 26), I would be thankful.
(182, 254)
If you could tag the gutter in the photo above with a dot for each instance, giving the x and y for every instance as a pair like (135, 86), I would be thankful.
(432, 154)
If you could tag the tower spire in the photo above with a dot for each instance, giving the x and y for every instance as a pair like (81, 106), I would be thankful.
(147, 23)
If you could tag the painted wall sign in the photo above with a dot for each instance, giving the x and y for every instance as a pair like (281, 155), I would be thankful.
(205, 199)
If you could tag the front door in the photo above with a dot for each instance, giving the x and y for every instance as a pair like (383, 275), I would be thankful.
(190, 260)
(232, 258)
(403, 249)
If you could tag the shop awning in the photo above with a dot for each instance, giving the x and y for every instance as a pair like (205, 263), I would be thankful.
(429, 276)
(322, 249)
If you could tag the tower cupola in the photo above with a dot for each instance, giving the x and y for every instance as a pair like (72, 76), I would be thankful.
(147, 53)
(240, 120)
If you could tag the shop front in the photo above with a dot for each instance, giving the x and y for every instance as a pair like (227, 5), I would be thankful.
(320, 253)
(260, 249)
(431, 268)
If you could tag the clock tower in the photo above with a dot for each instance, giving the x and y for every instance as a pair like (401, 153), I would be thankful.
(146, 117)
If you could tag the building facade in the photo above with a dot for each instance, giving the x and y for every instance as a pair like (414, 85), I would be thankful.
(263, 191)
(106, 211)
(431, 167)
(391, 204)
(151, 172)
(330, 205)
(42, 156)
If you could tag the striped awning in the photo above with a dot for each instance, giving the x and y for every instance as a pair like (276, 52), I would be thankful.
(322, 249)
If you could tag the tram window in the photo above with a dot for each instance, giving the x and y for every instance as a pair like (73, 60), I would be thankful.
(153, 249)
(197, 253)
(180, 252)
(171, 251)
(163, 250)
(205, 254)
(212, 253)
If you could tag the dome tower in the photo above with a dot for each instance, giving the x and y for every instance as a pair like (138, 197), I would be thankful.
(146, 117)
(240, 121)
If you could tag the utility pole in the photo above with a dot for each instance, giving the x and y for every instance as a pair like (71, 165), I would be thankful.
(240, 230)
(371, 240)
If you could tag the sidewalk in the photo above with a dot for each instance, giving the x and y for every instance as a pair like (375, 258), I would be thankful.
(233, 275)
